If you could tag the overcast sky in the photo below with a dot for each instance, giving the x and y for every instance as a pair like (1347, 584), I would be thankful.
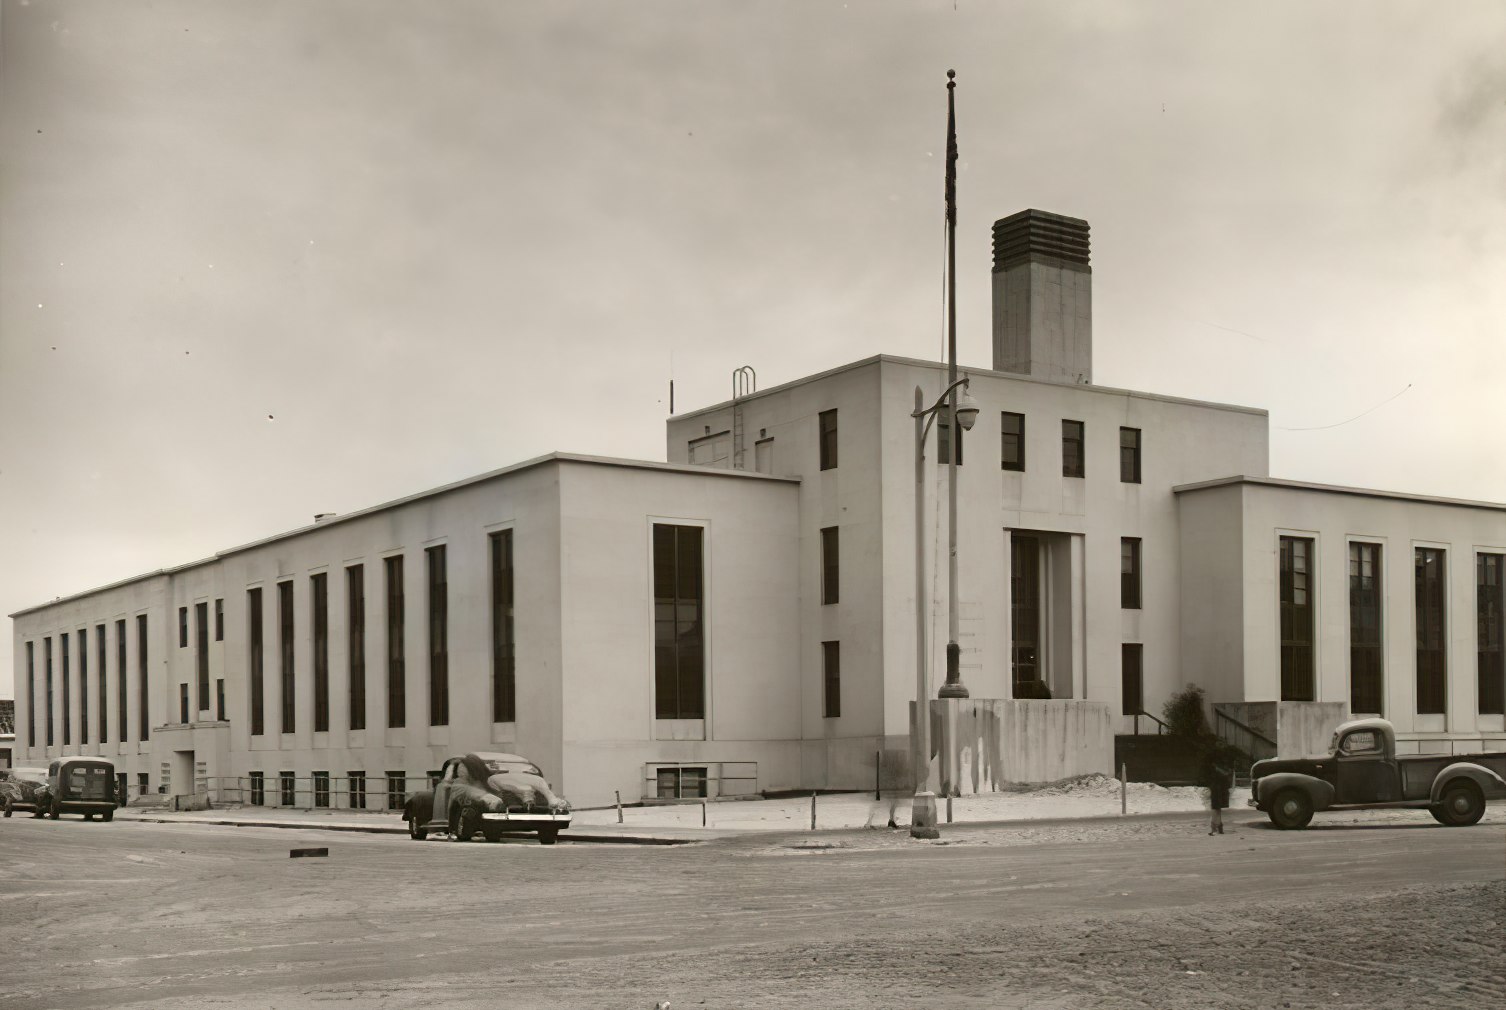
(262, 260)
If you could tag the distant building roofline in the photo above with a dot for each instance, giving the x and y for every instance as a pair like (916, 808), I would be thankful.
(1361, 492)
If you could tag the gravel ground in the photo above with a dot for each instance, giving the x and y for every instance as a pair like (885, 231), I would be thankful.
(1102, 915)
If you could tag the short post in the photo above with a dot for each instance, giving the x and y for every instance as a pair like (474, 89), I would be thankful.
(703, 813)
(949, 808)
(878, 764)
(1123, 789)
(813, 811)
(619, 804)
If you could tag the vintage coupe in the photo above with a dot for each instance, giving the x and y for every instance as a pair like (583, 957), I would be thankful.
(1362, 769)
(491, 795)
(26, 789)
(82, 785)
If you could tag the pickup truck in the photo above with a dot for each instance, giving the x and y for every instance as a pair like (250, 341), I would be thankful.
(1363, 770)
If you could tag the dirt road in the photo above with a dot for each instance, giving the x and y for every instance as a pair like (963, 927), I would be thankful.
(1145, 913)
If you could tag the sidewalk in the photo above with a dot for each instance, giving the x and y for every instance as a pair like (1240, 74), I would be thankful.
(681, 823)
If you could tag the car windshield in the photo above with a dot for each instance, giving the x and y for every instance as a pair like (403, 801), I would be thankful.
(513, 767)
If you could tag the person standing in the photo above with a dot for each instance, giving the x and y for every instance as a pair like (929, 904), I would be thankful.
(1218, 772)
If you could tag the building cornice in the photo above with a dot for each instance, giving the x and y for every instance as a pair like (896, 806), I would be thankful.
(1359, 492)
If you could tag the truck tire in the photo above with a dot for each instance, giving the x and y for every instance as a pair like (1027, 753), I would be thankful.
(107, 816)
(1291, 810)
(548, 836)
(57, 808)
(8, 809)
(466, 822)
(415, 830)
(1461, 804)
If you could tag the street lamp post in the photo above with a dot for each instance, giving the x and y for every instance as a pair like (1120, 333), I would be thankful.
(923, 808)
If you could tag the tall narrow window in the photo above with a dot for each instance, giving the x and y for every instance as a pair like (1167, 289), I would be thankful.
(31, 694)
(944, 439)
(1365, 678)
(1129, 573)
(1072, 449)
(1131, 678)
(255, 661)
(1012, 441)
(319, 604)
(83, 686)
(67, 710)
(47, 672)
(102, 655)
(143, 679)
(830, 566)
(1025, 614)
(831, 679)
(679, 642)
(219, 620)
(201, 650)
(183, 704)
(828, 424)
(1432, 632)
(285, 629)
(439, 644)
(258, 788)
(287, 789)
(1296, 619)
(1129, 455)
(504, 649)
(396, 654)
(122, 716)
(357, 788)
(219, 699)
(355, 632)
(397, 789)
(1489, 604)
(182, 627)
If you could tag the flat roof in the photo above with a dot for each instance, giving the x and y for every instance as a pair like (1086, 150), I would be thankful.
(553, 457)
(1361, 492)
(972, 371)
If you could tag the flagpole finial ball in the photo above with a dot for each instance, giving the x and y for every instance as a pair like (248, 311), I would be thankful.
(950, 74)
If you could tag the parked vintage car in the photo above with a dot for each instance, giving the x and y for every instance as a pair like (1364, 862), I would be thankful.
(81, 785)
(1362, 769)
(487, 794)
(25, 789)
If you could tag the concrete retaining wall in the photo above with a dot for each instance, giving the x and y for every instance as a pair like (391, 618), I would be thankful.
(988, 742)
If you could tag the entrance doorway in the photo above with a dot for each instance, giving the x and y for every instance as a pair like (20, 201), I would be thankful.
(1047, 646)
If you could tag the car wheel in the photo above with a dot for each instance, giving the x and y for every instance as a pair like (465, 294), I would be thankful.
(416, 830)
(8, 809)
(88, 816)
(107, 816)
(1439, 815)
(492, 834)
(56, 809)
(1462, 804)
(1291, 810)
(467, 823)
(548, 836)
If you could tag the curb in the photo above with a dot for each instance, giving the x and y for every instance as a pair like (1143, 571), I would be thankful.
(378, 829)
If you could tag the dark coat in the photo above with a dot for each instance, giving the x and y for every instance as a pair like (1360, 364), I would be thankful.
(1216, 775)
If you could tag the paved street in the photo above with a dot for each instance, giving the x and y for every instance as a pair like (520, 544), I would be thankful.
(1105, 914)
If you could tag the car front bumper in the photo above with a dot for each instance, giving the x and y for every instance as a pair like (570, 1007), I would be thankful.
(525, 822)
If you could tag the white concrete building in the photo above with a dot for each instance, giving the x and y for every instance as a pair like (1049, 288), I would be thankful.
(743, 617)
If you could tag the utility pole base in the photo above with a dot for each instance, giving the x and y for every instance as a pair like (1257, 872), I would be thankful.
(923, 816)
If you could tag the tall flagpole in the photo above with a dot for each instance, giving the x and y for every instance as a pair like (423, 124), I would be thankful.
(953, 688)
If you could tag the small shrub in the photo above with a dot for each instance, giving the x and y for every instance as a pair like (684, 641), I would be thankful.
(1184, 713)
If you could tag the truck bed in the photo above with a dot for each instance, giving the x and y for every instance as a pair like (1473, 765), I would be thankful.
(1419, 770)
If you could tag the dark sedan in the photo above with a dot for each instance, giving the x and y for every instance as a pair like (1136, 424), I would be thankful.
(491, 795)
(26, 789)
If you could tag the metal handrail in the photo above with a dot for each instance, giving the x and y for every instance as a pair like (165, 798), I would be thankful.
(1252, 736)
(1161, 727)
(1221, 715)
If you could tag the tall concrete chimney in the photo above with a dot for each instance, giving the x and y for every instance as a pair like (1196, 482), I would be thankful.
(1043, 297)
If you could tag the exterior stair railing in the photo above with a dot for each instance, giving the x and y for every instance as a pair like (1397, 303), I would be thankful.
(1252, 744)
